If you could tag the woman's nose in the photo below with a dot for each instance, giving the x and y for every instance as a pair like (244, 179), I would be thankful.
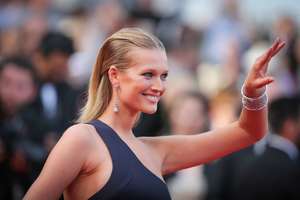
(158, 85)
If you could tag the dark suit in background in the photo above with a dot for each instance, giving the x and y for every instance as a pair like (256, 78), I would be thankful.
(273, 175)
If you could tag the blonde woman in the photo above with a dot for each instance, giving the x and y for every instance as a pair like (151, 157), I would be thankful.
(100, 158)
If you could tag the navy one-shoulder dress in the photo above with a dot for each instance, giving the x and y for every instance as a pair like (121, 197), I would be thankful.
(130, 179)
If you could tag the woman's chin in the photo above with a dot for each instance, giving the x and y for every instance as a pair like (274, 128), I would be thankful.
(150, 110)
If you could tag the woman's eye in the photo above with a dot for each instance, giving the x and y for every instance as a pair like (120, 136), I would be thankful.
(148, 75)
(164, 77)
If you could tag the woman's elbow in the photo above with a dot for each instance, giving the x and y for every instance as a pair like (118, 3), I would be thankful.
(256, 133)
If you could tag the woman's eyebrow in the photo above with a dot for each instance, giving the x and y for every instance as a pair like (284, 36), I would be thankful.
(154, 69)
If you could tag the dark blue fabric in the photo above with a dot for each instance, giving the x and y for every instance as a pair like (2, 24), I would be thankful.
(130, 179)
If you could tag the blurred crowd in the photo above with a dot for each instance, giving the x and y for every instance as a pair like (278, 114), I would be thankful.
(48, 48)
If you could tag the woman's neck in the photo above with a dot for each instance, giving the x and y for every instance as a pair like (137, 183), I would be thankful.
(122, 122)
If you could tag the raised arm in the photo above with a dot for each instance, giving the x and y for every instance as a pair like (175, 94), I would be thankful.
(184, 151)
(63, 164)
(253, 120)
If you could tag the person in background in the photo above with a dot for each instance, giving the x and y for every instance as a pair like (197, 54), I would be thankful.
(189, 115)
(275, 174)
(266, 170)
(56, 101)
(17, 90)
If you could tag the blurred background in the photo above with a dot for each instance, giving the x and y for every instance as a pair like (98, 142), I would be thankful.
(48, 48)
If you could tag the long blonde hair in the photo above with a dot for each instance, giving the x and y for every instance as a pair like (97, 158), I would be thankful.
(114, 51)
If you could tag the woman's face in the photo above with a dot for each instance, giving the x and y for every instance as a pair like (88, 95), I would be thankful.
(143, 83)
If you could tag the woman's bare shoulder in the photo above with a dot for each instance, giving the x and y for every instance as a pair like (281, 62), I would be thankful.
(65, 162)
(82, 135)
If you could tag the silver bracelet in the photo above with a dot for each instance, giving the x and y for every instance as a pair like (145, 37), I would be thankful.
(254, 104)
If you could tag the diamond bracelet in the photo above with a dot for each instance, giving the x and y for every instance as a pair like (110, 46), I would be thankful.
(254, 104)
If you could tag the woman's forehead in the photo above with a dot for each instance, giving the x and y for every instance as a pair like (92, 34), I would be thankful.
(148, 58)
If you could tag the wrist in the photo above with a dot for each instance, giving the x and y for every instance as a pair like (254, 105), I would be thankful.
(258, 102)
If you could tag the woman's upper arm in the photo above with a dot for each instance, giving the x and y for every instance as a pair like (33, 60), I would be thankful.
(183, 151)
(63, 164)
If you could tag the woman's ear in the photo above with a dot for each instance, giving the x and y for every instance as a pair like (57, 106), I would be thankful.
(113, 74)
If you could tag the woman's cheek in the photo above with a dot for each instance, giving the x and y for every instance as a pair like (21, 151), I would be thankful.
(145, 83)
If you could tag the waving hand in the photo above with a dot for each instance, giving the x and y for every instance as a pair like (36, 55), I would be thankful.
(257, 79)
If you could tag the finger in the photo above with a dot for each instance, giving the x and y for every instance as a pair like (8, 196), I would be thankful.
(273, 49)
(278, 48)
(268, 54)
(273, 52)
(261, 82)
